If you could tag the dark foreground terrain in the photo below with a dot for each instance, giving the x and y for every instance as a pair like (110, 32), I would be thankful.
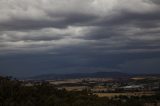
(14, 93)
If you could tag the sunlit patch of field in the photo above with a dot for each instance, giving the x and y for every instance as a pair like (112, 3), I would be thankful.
(138, 78)
(125, 94)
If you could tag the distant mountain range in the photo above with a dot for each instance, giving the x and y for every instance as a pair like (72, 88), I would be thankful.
(82, 75)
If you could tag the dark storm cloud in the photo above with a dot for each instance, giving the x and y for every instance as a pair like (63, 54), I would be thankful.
(25, 24)
(79, 35)
(156, 2)
(133, 62)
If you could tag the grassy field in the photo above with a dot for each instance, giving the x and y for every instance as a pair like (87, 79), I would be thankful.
(125, 94)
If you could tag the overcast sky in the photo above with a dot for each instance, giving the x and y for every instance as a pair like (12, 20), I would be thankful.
(66, 36)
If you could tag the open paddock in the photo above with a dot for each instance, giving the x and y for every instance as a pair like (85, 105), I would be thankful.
(125, 94)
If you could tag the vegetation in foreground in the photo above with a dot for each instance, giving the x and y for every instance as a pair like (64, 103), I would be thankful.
(14, 93)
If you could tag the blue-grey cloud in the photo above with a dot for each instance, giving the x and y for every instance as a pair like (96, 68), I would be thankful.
(79, 34)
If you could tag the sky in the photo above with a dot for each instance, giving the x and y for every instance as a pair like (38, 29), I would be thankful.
(69, 36)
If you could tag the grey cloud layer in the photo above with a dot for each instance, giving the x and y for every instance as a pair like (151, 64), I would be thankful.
(108, 26)
(49, 36)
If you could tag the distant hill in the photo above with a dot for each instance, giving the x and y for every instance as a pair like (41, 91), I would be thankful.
(82, 75)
